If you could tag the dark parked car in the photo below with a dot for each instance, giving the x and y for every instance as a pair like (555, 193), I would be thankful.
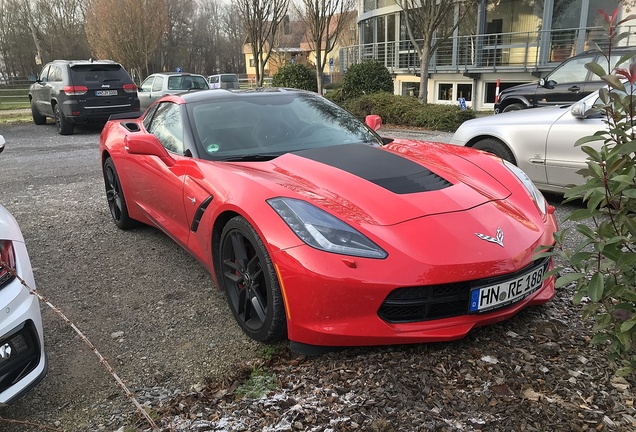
(167, 83)
(568, 83)
(81, 91)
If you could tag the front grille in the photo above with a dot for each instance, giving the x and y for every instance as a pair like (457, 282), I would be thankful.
(21, 354)
(429, 302)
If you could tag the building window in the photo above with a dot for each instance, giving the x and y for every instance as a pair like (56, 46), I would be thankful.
(252, 63)
(491, 89)
(369, 5)
(465, 91)
(411, 89)
(445, 92)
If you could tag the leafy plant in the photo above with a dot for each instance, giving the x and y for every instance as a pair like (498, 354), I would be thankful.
(366, 78)
(407, 111)
(603, 265)
(258, 384)
(296, 75)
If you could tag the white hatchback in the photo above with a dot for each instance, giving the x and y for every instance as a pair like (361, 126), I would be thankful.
(22, 356)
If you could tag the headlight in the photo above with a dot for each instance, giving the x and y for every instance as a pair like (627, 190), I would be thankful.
(323, 231)
(532, 189)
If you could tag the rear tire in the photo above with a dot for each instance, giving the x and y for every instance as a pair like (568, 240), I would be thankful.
(513, 107)
(497, 148)
(64, 127)
(38, 118)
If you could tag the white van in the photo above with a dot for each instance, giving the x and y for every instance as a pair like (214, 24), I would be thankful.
(224, 81)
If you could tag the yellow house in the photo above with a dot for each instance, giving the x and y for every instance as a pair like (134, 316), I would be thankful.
(294, 46)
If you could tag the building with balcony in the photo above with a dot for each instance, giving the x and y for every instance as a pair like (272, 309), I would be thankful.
(506, 41)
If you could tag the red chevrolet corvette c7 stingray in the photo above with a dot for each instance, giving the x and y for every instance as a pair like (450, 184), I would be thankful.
(322, 232)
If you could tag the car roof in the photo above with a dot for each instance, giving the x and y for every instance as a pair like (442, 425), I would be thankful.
(85, 62)
(175, 73)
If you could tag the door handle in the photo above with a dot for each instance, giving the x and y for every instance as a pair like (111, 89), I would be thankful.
(574, 88)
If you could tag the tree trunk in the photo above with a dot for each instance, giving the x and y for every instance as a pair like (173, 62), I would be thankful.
(319, 69)
(424, 61)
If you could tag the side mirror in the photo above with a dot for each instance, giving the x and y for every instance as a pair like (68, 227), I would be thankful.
(373, 121)
(148, 145)
(578, 110)
(1, 143)
(549, 84)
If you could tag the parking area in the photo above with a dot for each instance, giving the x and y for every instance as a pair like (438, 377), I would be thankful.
(147, 305)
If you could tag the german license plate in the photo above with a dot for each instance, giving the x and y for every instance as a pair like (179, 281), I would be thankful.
(490, 297)
(105, 92)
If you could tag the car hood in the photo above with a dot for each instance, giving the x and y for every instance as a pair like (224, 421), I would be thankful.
(540, 116)
(521, 88)
(381, 185)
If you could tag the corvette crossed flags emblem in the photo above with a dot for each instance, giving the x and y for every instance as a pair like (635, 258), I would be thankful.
(498, 239)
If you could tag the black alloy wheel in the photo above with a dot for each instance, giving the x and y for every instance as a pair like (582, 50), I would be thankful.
(115, 197)
(250, 284)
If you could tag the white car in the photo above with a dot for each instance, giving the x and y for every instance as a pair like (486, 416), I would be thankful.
(539, 141)
(22, 356)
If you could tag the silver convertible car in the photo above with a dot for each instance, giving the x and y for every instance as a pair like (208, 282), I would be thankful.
(539, 141)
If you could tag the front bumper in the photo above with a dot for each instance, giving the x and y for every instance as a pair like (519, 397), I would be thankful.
(22, 356)
(335, 300)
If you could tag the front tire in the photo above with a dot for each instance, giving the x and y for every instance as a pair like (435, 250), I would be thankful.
(64, 127)
(513, 107)
(250, 284)
(495, 147)
(38, 118)
(115, 197)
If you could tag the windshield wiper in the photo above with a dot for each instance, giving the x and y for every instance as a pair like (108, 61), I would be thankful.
(250, 157)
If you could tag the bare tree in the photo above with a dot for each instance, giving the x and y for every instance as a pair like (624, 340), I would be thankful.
(325, 21)
(129, 33)
(231, 58)
(177, 43)
(429, 23)
(263, 20)
(17, 47)
(61, 28)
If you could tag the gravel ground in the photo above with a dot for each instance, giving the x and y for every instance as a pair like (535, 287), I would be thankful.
(151, 311)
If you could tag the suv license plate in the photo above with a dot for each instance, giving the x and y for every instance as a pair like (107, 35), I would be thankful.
(504, 293)
(105, 92)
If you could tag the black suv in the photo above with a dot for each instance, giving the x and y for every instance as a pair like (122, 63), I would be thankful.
(81, 91)
(566, 84)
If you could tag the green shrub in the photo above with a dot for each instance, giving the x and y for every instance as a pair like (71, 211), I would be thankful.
(336, 96)
(333, 86)
(407, 111)
(296, 75)
(602, 264)
(442, 117)
(366, 78)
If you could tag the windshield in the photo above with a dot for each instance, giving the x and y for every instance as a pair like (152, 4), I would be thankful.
(265, 125)
(187, 82)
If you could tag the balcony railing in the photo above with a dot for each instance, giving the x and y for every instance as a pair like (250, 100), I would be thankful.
(521, 51)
